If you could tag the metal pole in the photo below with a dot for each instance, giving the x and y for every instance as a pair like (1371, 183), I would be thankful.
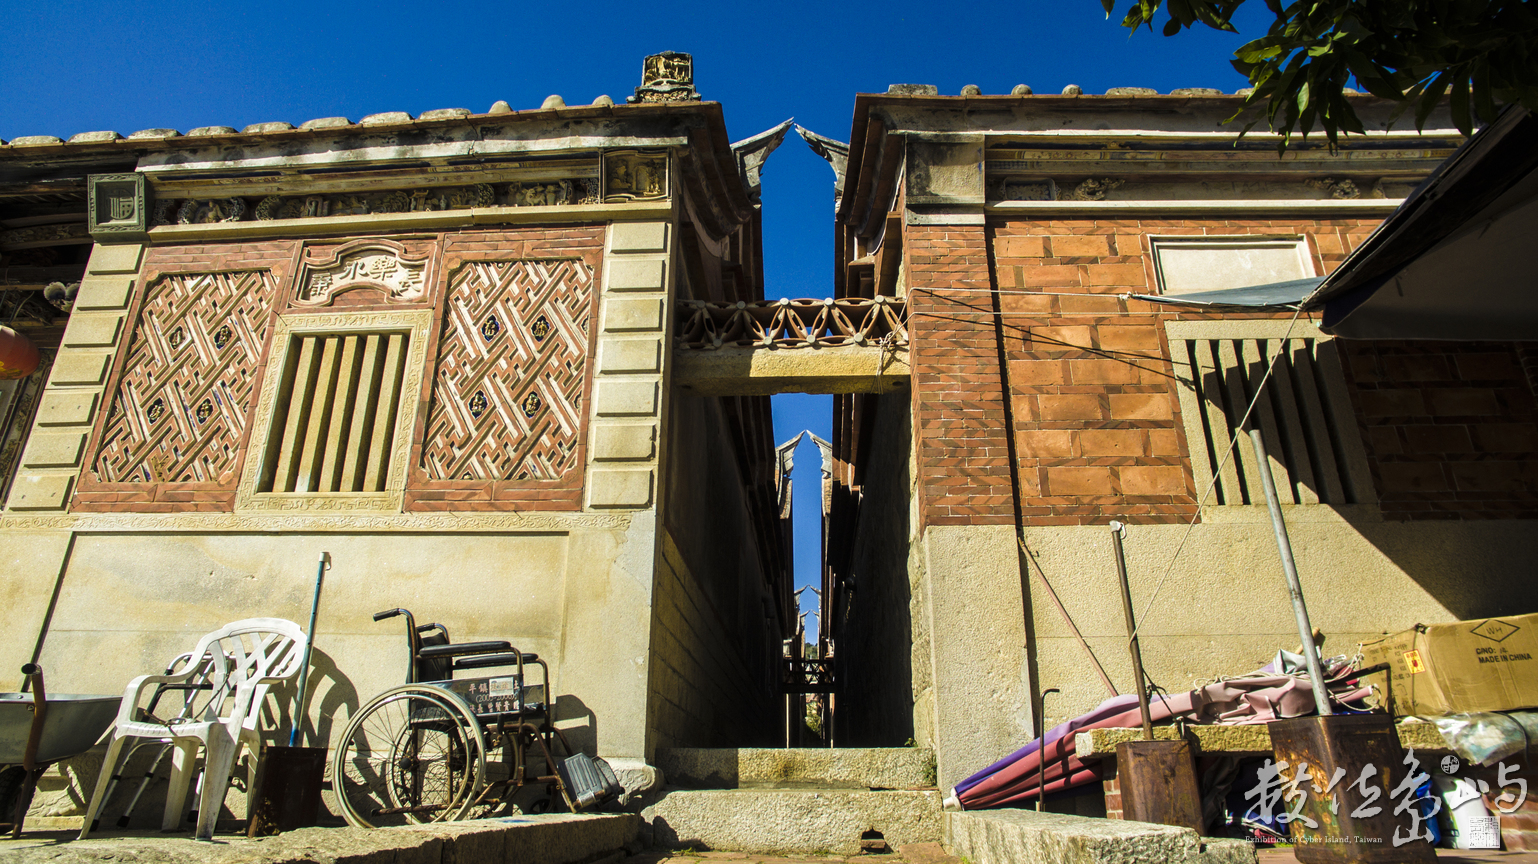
(1132, 647)
(1290, 568)
(309, 645)
(1041, 755)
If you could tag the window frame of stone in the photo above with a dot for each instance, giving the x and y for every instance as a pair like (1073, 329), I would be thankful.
(287, 333)
(1164, 265)
(1296, 420)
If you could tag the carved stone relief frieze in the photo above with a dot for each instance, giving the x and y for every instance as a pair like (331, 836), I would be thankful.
(382, 266)
(1092, 189)
(1344, 190)
(638, 177)
(1014, 189)
(634, 175)
(208, 212)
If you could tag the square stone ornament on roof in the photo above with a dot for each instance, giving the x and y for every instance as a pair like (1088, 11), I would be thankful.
(118, 205)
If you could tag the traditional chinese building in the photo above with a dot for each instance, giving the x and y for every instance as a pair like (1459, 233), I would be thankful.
(435, 347)
(969, 563)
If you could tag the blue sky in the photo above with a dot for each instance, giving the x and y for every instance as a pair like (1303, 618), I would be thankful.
(68, 67)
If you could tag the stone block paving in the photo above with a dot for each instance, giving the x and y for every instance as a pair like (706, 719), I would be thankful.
(1444, 856)
(915, 853)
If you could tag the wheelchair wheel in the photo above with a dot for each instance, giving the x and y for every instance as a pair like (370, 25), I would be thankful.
(413, 754)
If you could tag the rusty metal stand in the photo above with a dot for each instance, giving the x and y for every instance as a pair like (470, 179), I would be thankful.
(34, 675)
(1157, 778)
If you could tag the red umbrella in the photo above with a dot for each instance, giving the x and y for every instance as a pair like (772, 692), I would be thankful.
(18, 356)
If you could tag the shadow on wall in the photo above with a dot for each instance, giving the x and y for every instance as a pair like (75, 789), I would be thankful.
(1478, 568)
(875, 645)
(332, 701)
(577, 722)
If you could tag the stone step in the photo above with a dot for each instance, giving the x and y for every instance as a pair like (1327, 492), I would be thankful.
(1028, 837)
(548, 838)
(790, 821)
(799, 768)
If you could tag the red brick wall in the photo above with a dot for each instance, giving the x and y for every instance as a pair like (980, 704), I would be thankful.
(1096, 419)
(1450, 428)
(278, 258)
(959, 422)
(426, 494)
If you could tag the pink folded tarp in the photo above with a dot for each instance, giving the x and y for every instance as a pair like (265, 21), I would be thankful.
(1259, 697)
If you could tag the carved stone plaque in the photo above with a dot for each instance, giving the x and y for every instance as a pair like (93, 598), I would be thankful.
(381, 266)
(119, 204)
(634, 175)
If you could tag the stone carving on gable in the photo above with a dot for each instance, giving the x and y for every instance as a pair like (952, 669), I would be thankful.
(1093, 189)
(375, 265)
(1338, 189)
(666, 77)
(1011, 189)
(639, 177)
(633, 175)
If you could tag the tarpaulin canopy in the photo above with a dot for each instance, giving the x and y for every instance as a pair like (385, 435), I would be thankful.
(1279, 690)
(1276, 295)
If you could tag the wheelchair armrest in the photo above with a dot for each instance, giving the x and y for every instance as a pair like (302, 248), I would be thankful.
(462, 648)
(483, 661)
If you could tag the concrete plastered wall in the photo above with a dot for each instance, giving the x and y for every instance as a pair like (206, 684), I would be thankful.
(1222, 610)
(127, 606)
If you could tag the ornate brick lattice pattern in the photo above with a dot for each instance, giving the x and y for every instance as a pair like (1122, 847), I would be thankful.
(180, 409)
(507, 394)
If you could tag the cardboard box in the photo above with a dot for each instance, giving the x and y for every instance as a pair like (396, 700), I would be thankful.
(1489, 664)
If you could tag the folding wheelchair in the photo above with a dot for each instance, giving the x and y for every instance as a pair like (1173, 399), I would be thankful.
(441, 748)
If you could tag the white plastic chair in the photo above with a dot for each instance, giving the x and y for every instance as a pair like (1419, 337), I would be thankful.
(247, 657)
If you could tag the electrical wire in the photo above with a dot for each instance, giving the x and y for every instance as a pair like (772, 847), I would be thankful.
(1260, 390)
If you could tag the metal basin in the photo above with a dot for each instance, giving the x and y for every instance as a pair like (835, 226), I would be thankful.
(72, 726)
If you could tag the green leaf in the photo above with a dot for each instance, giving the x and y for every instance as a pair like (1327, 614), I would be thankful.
(1460, 104)
(1429, 100)
(1484, 100)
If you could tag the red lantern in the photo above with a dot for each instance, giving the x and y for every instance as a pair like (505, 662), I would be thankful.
(18, 356)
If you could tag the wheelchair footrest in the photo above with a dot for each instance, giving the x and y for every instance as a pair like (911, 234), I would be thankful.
(590, 782)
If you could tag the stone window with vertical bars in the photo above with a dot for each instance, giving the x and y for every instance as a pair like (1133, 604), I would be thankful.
(1303, 411)
(334, 422)
(336, 412)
